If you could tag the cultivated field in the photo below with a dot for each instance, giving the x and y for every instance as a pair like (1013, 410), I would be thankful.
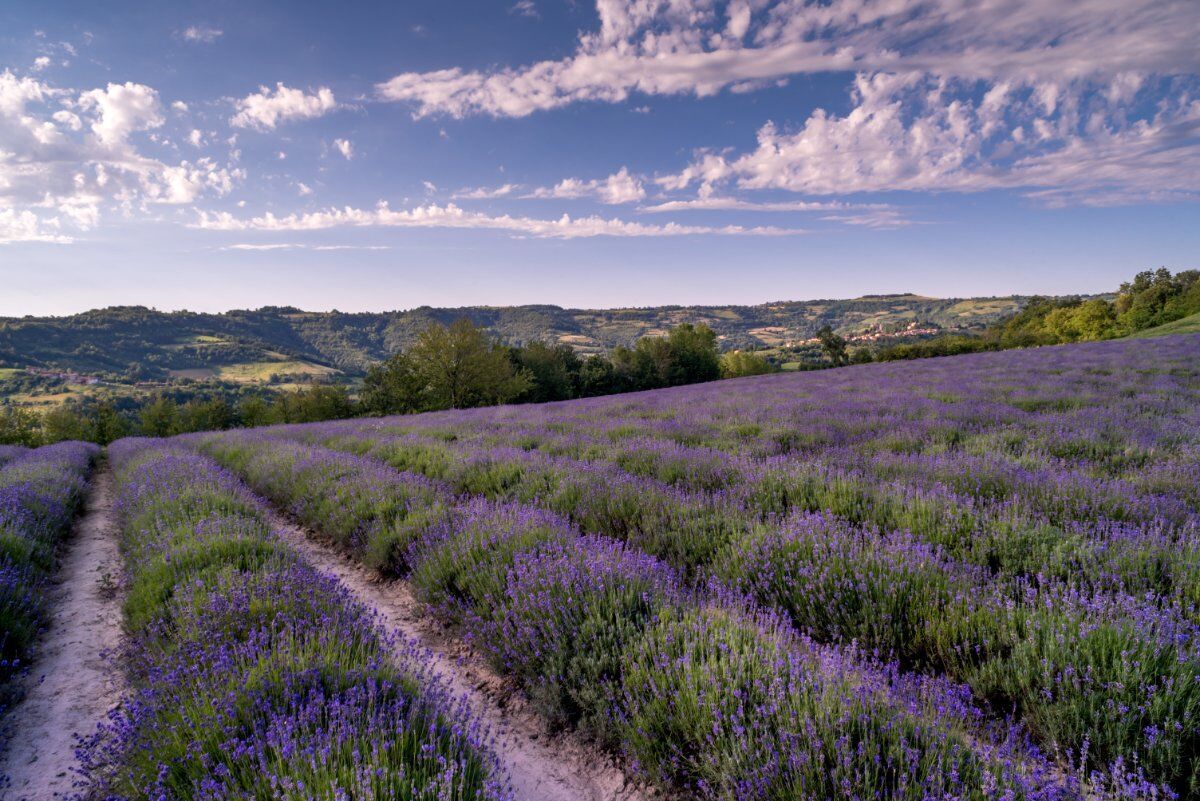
(968, 577)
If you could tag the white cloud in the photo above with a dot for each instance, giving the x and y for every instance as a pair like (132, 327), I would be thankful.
(451, 216)
(40, 63)
(25, 226)
(298, 246)
(187, 181)
(68, 120)
(486, 193)
(196, 138)
(620, 187)
(179, 106)
(345, 147)
(203, 34)
(66, 157)
(266, 109)
(304, 189)
(722, 203)
(122, 109)
(688, 46)
(911, 132)
(524, 8)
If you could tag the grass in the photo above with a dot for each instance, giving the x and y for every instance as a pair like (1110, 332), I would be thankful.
(1187, 325)
(255, 372)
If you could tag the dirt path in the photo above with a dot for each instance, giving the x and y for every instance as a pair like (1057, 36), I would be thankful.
(544, 766)
(73, 683)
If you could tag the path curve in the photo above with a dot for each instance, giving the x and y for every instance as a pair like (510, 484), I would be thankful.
(544, 766)
(76, 677)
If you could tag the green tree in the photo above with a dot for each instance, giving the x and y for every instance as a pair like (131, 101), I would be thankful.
(211, 414)
(64, 423)
(553, 371)
(461, 367)
(693, 355)
(833, 345)
(252, 411)
(861, 355)
(393, 387)
(597, 376)
(159, 418)
(313, 405)
(107, 424)
(19, 427)
(738, 363)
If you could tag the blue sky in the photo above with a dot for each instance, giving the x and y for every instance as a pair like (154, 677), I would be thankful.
(368, 156)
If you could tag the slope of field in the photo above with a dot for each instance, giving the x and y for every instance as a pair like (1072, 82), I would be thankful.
(114, 340)
(1188, 325)
(1013, 533)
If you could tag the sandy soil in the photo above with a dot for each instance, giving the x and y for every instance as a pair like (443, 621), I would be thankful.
(75, 680)
(544, 766)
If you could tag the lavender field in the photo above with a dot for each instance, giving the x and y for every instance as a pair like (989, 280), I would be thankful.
(963, 577)
(969, 577)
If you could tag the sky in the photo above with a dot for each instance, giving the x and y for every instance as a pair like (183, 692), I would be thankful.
(386, 155)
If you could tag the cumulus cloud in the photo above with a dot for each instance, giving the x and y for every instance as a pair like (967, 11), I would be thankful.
(25, 226)
(701, 47)
(620, 187)
(122, 109)
(265, 109)
(202, 34)
(915, 133)
(68, 155)
(345, 147)
(451, 216)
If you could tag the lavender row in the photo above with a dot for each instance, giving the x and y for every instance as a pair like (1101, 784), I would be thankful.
(40, 492)
(699, 691)
(254, 676)
(1039, 646)
(1160, 556)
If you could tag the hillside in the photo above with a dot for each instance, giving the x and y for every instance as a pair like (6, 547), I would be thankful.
(253, 345)
(1187, 325)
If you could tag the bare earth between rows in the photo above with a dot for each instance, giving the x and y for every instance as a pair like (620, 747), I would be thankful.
(543, 765)
(76, 678)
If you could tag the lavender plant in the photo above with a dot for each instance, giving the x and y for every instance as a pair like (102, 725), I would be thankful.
(253, 675)
(40, 492)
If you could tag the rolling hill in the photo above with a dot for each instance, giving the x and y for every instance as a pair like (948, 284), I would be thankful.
(252, 345)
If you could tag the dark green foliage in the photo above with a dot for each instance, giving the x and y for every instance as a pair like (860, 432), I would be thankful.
(554, 371)
(137, 343)
(833, 345)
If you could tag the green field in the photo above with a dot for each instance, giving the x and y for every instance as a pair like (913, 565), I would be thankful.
(1188, 325)
(254, 372)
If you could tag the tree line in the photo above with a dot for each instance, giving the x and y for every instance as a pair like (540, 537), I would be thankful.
(448, 367)
(1151, 299)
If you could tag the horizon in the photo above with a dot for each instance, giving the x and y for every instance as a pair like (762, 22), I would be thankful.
(593, 155)
(407, 309)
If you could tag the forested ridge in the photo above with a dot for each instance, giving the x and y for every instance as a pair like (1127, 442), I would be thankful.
(142, 342)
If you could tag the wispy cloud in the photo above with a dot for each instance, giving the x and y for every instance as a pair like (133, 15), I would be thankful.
(202, 34)
(696, 47)
(524, 8)
(451, 216)
(300, 246)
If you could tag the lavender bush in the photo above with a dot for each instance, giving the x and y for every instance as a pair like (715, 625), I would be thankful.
(253, 675)
(40, 492)
(1026, 522)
